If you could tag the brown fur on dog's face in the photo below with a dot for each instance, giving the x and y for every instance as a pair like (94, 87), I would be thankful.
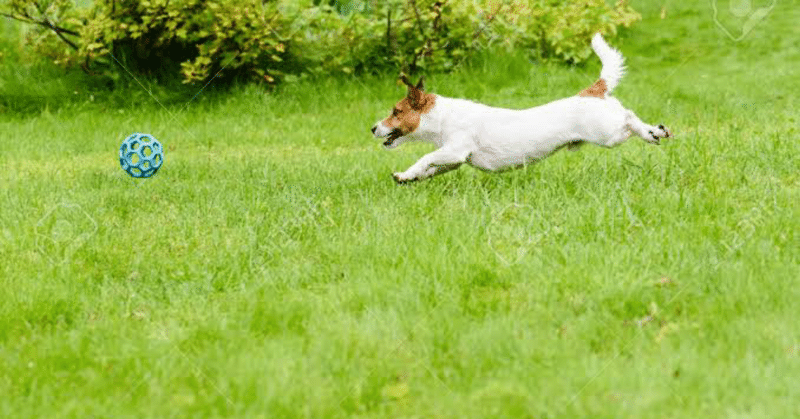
(406, 114)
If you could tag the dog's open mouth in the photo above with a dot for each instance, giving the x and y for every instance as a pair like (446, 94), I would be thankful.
(395, 134)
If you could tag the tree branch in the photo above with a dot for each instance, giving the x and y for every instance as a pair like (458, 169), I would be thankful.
(58, 32)
(419, 17)
(389, 29)
(46, 23)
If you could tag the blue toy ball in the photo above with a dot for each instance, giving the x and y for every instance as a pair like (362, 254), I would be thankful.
(141, 155)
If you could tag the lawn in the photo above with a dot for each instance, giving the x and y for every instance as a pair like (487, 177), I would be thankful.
(272, 268)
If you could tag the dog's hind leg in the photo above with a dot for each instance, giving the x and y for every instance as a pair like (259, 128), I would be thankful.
(434, 163)
(650, 133)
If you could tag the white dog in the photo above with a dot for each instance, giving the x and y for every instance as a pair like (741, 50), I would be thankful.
(495, 138)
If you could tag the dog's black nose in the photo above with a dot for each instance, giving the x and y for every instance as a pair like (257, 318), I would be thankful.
(374, 129)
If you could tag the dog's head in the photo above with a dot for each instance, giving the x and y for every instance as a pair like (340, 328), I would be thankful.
(406, 115)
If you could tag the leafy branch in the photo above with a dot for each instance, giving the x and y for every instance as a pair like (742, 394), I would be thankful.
(23, 14)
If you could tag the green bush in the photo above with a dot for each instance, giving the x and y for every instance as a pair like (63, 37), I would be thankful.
(436, 34)
(197, 38)
(561, 29)
(270, 40)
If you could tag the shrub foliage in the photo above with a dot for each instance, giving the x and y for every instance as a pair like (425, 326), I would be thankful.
(271, 40)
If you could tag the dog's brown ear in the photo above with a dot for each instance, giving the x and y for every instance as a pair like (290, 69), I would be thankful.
(420, 84)
(403, 78)
(414, 96)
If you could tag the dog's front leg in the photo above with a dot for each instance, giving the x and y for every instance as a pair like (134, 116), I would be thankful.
(650, 133)
(440, 161)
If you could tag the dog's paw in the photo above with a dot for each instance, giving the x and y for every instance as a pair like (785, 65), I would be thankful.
(399, 179)
(657, 133)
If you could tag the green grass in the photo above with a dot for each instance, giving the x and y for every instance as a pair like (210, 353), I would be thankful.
(273, 269)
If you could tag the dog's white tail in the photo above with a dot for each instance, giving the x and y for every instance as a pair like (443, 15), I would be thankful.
(613, 62)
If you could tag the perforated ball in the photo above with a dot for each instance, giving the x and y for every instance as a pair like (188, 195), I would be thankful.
(141, 155)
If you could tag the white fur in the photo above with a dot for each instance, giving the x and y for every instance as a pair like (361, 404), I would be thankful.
(493, 139)
(613, 62)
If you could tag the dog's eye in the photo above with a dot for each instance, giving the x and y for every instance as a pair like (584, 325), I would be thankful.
(395, 111)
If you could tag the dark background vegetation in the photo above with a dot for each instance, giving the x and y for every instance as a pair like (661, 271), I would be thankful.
(195, 41)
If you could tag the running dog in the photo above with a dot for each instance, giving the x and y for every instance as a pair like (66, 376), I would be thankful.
(495, 139)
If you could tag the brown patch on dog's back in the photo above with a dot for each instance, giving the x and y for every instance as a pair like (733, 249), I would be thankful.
(598, 89)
